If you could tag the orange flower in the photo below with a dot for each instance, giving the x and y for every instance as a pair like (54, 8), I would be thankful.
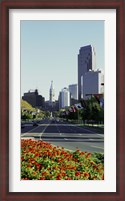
(86, 174)
(77, 173)
(69, 178)
(95, 167)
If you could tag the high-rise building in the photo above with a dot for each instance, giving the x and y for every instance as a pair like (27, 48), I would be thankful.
(86, 62)
(51, 94)
(73, 89)
(60, 100)
(92, 83)
(64, 98)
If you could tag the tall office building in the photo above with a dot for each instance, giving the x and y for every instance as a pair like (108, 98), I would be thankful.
(51, 94)
(92, 82)
(60, 100)
(86, 62)
(73, 89)
(64, 98)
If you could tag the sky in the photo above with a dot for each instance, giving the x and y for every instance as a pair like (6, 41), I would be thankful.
(49, 51)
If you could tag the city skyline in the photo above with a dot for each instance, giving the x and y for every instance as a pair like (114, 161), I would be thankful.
(49, 51)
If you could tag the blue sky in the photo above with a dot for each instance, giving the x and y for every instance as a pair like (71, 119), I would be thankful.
(49, 51)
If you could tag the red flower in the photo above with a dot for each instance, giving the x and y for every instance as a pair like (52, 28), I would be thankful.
(77, 173)
(22, 158)
(95, 167)
(60, 161)
(89, 154)
(38, 166)
(82, 153)
(43, 173)
(74, 168)
(86, 174)
(42, 178)
(58, 177)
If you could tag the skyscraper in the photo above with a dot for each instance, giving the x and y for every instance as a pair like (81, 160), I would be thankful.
(93, 83)
(86, 62)
(64, 98)
(73, 89)
(51, 94)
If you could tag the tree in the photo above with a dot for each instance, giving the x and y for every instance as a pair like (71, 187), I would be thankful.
(47, 114)
(93, 112)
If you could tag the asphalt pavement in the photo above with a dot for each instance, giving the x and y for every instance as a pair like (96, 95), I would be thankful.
(64, 134)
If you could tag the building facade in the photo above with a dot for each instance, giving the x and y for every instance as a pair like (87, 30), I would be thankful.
(86, 62)
(73, 89)
(64, 98)
(92, 83)
(33, 98)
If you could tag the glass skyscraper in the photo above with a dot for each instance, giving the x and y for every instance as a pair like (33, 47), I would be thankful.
(86, 62)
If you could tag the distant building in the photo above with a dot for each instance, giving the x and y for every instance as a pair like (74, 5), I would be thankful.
(73, 89)
(51, 108)
(92, 83)
(64, 98)
(86, 62)
(60, 100)
(51, 94)
(33, 98)
(56, 105)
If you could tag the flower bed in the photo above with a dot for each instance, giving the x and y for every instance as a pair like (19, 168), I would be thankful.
(42, 161)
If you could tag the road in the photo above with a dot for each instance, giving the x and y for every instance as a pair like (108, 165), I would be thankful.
(67, 135)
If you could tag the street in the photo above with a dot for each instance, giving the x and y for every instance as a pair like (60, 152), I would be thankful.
(64, 134)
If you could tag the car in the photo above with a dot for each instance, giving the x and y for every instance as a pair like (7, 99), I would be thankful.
(35, 124)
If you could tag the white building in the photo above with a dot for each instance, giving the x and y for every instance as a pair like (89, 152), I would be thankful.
(86, 62)
(73, 89)
(64, 98)
(51, 94)
(92, 83)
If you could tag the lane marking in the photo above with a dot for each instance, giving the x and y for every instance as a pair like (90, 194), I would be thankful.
(43, 131)
(65, 139)
(29, 131)
(102, 135)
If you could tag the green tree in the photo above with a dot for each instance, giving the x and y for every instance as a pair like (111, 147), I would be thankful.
(93, 112)
(47, 114)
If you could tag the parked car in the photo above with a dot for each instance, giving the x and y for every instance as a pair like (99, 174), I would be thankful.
(35, 124)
